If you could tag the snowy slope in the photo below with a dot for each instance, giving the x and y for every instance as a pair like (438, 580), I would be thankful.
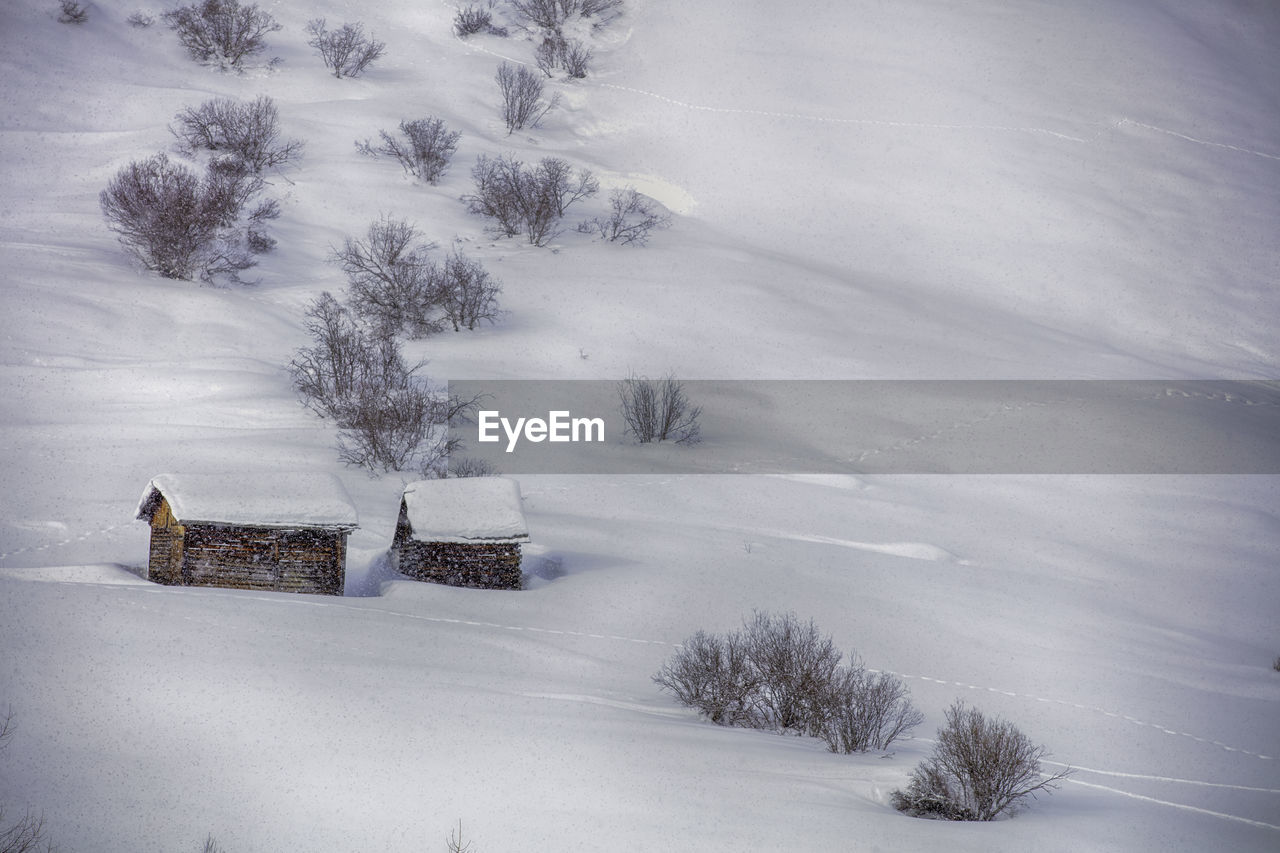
(861, 190)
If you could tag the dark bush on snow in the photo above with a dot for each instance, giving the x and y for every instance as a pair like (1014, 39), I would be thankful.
(249, 130)
(221, 31)
(779, 673)
(181, 224)
(346, 51)
(527, 199)
(980, 768)
(423, 148)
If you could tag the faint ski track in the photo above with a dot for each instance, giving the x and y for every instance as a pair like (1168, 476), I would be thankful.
(68, 541)
(1183, 806)
(1077, 705)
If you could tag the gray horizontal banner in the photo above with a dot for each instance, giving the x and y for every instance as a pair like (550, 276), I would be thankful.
(884, 427)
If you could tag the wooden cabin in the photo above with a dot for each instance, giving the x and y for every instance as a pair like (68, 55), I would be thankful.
(282, 532)
(462, 532)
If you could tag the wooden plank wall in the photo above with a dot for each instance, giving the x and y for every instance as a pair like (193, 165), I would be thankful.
(259, 558)
(494, 565)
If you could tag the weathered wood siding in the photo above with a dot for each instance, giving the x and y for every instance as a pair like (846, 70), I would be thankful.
(165, 563)
(494, 565)
(262, 558)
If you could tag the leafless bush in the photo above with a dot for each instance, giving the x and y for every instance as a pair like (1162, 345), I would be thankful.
(249, 130)
(779, 673)
(555, 51)
(211, 845)
(551, 15)
(522, 102)
(71, 12)
(632, 216)
(469, 466)
(713, 674)
(795, 663)
(29, 833)
(528, 200)
(979, 770)
(346, 51)
(476, 19)
(221, 30)
(455, 844)
(1276, 664)
(392, 285)
(467, 292)
(424, 151)
(658, 410)
(140, 20)
(179, 224)
(863, 710)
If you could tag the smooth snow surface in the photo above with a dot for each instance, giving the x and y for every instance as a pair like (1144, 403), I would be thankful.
(272, 500)
(472, 509)
(861, 190)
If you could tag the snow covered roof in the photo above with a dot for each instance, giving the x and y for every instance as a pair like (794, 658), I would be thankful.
(253, 500)
(466, 509)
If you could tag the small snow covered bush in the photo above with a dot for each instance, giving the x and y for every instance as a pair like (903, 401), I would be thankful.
(140, 20)
(346, 51)
(527, 199)
(782, 674)
(72, 12)
(632, 216)
(980, 769)
(522, 102)
(221, 31)
(248, 130)
(181, 224)
(423, 148)
(658, 410)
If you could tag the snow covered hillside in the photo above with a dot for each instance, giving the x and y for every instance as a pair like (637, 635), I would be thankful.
(862, 190)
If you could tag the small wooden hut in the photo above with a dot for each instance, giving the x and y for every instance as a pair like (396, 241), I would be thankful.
(462, 532)
(285, 532)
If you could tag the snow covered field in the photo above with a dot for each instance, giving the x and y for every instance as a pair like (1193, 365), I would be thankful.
(862, 191)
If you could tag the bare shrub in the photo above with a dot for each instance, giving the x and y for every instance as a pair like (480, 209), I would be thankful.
(346, 51)
(469, 466)
(29, 833)
(1276, 664)
(555, 51)
(528, 200)
(658, 410)
(575, 58)
(390, 418)
(551, 15)
(221, 30)
(780, 673)
(474, 19)
(179, 224)
(632, 216)
(455, 844)
(391, 280)
(713, 674)
(522, 102)
(140, 20)
(865, 710)
(211, 845)
(467, 292)
(424, 151)
(980, 768)
(796, 663)
(547, 54)
(71, 12)
(249, 130)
